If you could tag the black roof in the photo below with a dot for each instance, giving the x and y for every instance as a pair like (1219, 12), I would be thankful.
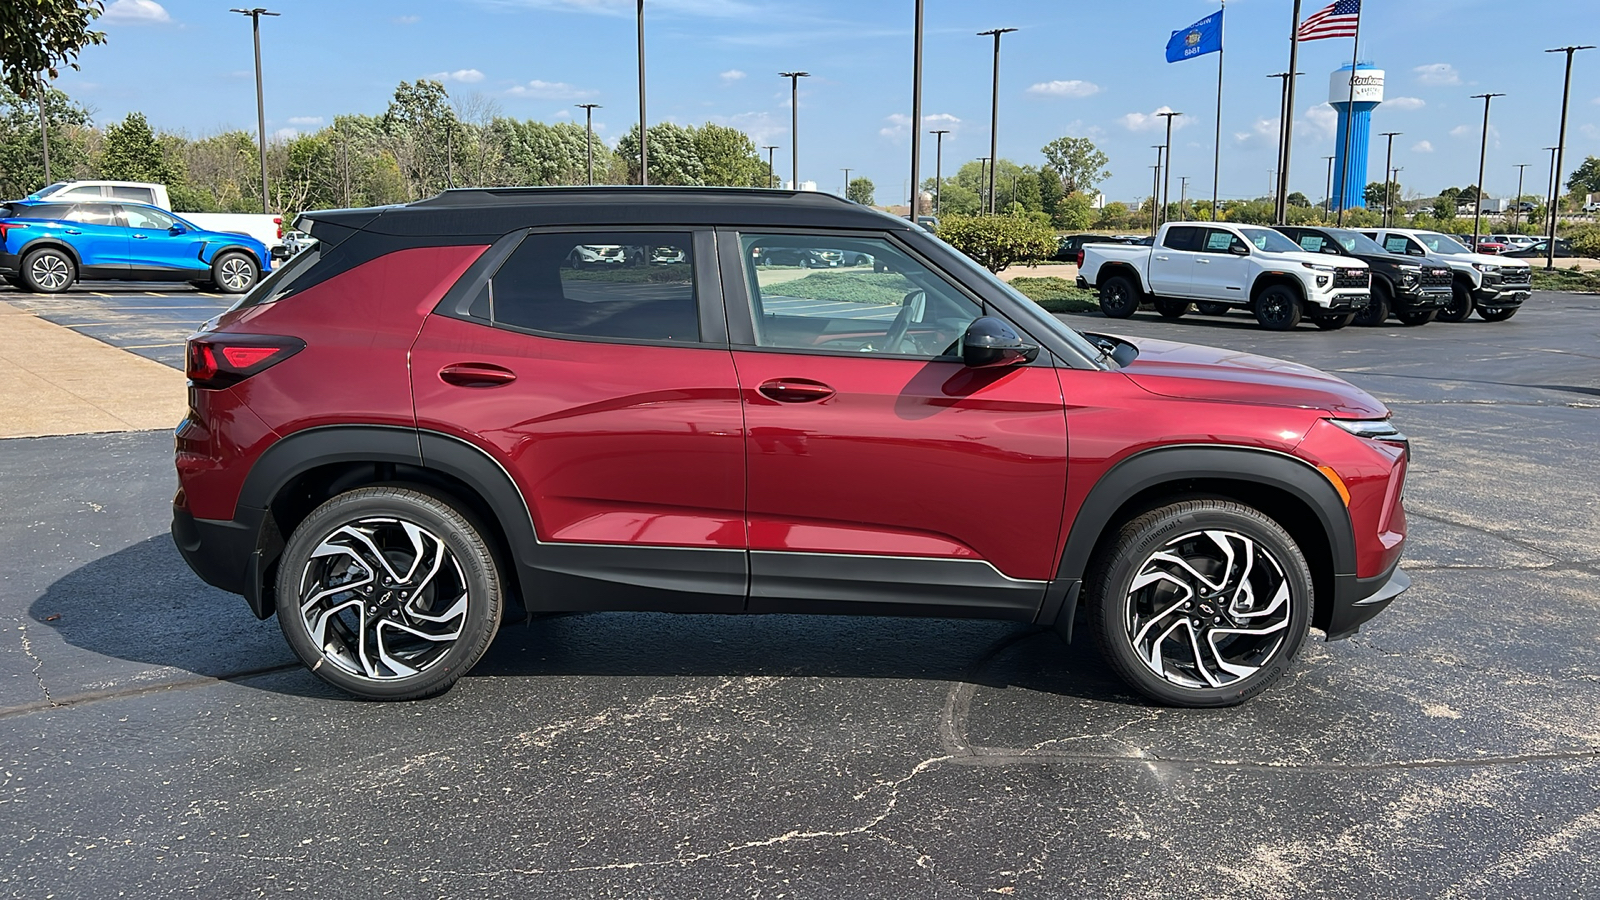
(497, 211)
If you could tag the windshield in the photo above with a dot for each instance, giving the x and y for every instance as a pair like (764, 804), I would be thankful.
(45, 192)
(1269, 240)
(1439, 243)
(1355, 241)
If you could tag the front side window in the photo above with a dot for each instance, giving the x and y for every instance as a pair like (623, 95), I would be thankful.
(1269, 240)
(852, 295)
(627, 285)
(1219, 241)
(1316, 243)
(144, 217)
(1439, 243)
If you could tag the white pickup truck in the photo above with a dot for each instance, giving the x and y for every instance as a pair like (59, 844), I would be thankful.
(1219, 266)
(268, 229)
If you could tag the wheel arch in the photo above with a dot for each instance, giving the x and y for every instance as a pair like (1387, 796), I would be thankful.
(53, 243)
(1272, 279)
(1289, 490)
(1126, 270)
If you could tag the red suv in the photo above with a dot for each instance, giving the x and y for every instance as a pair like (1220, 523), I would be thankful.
(443, 408)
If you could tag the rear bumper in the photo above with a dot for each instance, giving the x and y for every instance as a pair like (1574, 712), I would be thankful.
(10, 264)
(1083, 285)
(1357, 600)
(226, 554)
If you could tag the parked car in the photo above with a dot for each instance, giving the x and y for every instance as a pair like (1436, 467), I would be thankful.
(1513, 241)
(1413, 289)
(1067, 246)
(1495, 286)
(667, 256)
(1223, 266)
(48, 246)
(264, 227)
(589, 256)
(1540, 250)
(805, 258)
(426, 418)
(293, 242)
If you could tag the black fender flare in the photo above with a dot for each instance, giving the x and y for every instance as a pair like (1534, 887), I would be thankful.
(54, 243)
(1268, 279)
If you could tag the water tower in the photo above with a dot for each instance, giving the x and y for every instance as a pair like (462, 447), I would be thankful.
(1368, 81)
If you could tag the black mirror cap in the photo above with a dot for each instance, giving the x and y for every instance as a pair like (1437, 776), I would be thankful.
(989, 343)
(1240, 249)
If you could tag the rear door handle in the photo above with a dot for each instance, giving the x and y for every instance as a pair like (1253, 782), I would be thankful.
(476, 375)
(796, 390)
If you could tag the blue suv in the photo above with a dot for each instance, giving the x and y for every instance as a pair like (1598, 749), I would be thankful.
(46, 247)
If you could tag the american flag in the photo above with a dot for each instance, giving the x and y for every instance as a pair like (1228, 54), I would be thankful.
(1340, 19)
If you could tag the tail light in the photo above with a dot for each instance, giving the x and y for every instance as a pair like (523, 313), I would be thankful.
(216, 361)
(278, 221)
(6, 227)
(1080, 257)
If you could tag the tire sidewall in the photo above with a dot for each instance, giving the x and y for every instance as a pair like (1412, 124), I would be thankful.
(216, 271)
(27, 270)
(1378, 307)
(460, 533)
(1272, 296)
(1460, 306)
(1118, 286)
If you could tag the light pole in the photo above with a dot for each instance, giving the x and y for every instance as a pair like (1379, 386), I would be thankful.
(794, 122)
(916, 115)
(1550, 196)
(938, 165)
(1517, 203)
(983, 179)
(1288, 107)
(994, 110)
(1483, 150)
(1327, 192)
(1388, 160)
(1561, 151)
(588, 131)
(771, 173)
(44, 129)
(1394, 174)
(261, 110)
(1183, 197)
(1280, 208)
(846, 193)
(1155, 189)
(1166, 179)
(644, 137)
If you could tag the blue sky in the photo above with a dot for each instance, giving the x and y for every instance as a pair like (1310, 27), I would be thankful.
(1091, 69)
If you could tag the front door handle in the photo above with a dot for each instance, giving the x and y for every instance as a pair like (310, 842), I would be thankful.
(476, 375)
(73, 230)
(1203, 262)
(1163, 258)
(796, 390)
(141, 237)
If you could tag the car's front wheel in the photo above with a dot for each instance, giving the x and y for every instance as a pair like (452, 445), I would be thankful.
(1460, 305)
(234, 273)
(48, 271)
(1172, 309)
(1334, 323)
(1376, 312)
(1119, 299)
(1201, 603)
(1278, 309)
(388, 593)
(1415, 317)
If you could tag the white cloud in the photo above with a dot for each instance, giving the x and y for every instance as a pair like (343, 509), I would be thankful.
(305, 120)
(136, 12)
(460, 76)
(1438, 74)
(286, 134)
(1404, 104)
(1589, 131)
(1152, 121)
(762, 127)
(1422, 147)
(1322, 121)
(1065, 89)
(406, 20)
(563, 114)
(731, 75)
(899, 127)
(1263, 131)
(549, 90)
(1461, 131)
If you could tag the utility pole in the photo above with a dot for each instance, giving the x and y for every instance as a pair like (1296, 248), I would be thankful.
(846, 193)
(794, 122)
(1288, 106)
(261, 110)
(1155, 190)
(1183, 197)
(916, 115)
(1388, 160)
(449, 153)
(588, 132)
(1328, 191)
(938, 165)
(1483, 150)
(1280, 209)
(983, 179)
(1561, 152)
(644, 136)
(44, 128)
(772, 174)
(1166, 179)
(994, 110)
(1517, 203)
(1394, 174)
(1550, 196)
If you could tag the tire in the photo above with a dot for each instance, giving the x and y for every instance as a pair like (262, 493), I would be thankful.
(1172, 309)
(1412, 318)
(207, 286)
(1333, 323)
(235, 272)
(394, 663)
(1207, 308)
(1258, 639)
(1119, 298)
(1498, 315)
(1277, 309)
(48, 271)
(1377, 311)
(1460, 306)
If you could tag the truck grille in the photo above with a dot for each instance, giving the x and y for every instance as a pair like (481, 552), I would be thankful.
(1520, 275)
(1439, 277)
(1351, 278)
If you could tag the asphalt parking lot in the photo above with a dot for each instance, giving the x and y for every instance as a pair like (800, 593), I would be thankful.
(157, 740)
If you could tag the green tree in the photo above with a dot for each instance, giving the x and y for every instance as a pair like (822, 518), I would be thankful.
(1075, 212)
(419, 128)
(1024, 190)
(955, 198)
(996, 242)
(673, 157)
(132, 153)
(41, 36)
(1049, 191)
(1302, 201)
(860, 190)
(1585, 179)
(1080, 165)
(727, 156)
(1377, 193)
(1445, 207)
(1114, 216)
(21, 151)
(1468, 196)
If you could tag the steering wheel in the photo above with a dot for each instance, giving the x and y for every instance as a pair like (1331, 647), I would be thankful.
(911, 310)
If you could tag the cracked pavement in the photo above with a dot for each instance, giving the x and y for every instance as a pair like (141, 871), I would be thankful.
(155, 739)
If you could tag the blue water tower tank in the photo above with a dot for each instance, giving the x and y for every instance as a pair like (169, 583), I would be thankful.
(1368, 82)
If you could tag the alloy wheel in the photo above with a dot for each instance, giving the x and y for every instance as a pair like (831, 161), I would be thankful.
(1208, 609)
(50, 272)
(236, 274)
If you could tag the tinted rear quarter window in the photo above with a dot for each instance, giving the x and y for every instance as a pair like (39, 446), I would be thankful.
(1182, 239)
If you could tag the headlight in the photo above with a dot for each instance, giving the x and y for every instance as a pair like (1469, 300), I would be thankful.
(1410, 273)
(1486, 267)
(1317, 267)
(1381, 430)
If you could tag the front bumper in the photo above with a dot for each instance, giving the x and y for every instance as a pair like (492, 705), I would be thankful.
(1501, 297)
(1424, 297)
(1351, 302)
(1357, 600)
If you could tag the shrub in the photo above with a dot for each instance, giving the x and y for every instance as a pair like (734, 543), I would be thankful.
(996, 242)
(1585, 240)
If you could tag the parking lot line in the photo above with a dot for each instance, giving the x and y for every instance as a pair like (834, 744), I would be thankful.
(149, 346)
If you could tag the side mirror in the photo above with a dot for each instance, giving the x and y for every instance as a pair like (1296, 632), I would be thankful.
(1239, 248)
(990, 342)
(176, 228)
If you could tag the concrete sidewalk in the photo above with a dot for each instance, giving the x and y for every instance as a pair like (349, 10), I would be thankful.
(56, 381)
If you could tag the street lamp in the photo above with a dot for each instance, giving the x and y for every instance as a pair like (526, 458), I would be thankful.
(1483, 150)
(794, 122)
(1550, 194)
(1183, 198)
(1327, 192)
(938, 165)
(994, 109)
(983, 179)
(1561, 151)
(644, 138)
(916, 115)
(261, 110)
(846, 193)
(1388, 160)
(1166, 179)
(1280, 208)
(1155, 188)
(771, 173)
(44, 128)
(588, 131)
(1517, 203)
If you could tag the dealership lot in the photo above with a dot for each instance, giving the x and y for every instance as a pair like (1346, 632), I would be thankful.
(155, 737)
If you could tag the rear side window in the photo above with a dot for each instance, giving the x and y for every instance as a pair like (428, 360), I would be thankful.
(94, 214)
(81, 192)
(627, 285)
(1182, 239)
(43, 211)
(133, 194)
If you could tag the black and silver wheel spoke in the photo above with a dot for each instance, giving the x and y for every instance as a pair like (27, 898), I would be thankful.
(383, 598)
(235, 273)
(1208, 608)
(50, 272)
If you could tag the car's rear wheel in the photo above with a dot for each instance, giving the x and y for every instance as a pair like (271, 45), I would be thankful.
(1278, 309)
(389, 593)
(1334, 323)
(1207, 308)
(1201, 603)
(234, 273)
(1498, 315)
(1377, 308)
(1172, 309)
(1460, 305)
(1119, 299)
(48, 271)
(1417, 316)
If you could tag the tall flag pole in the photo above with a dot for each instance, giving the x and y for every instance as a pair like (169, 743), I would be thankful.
(1204, 36)
(1350, 115)
(1342, 18)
